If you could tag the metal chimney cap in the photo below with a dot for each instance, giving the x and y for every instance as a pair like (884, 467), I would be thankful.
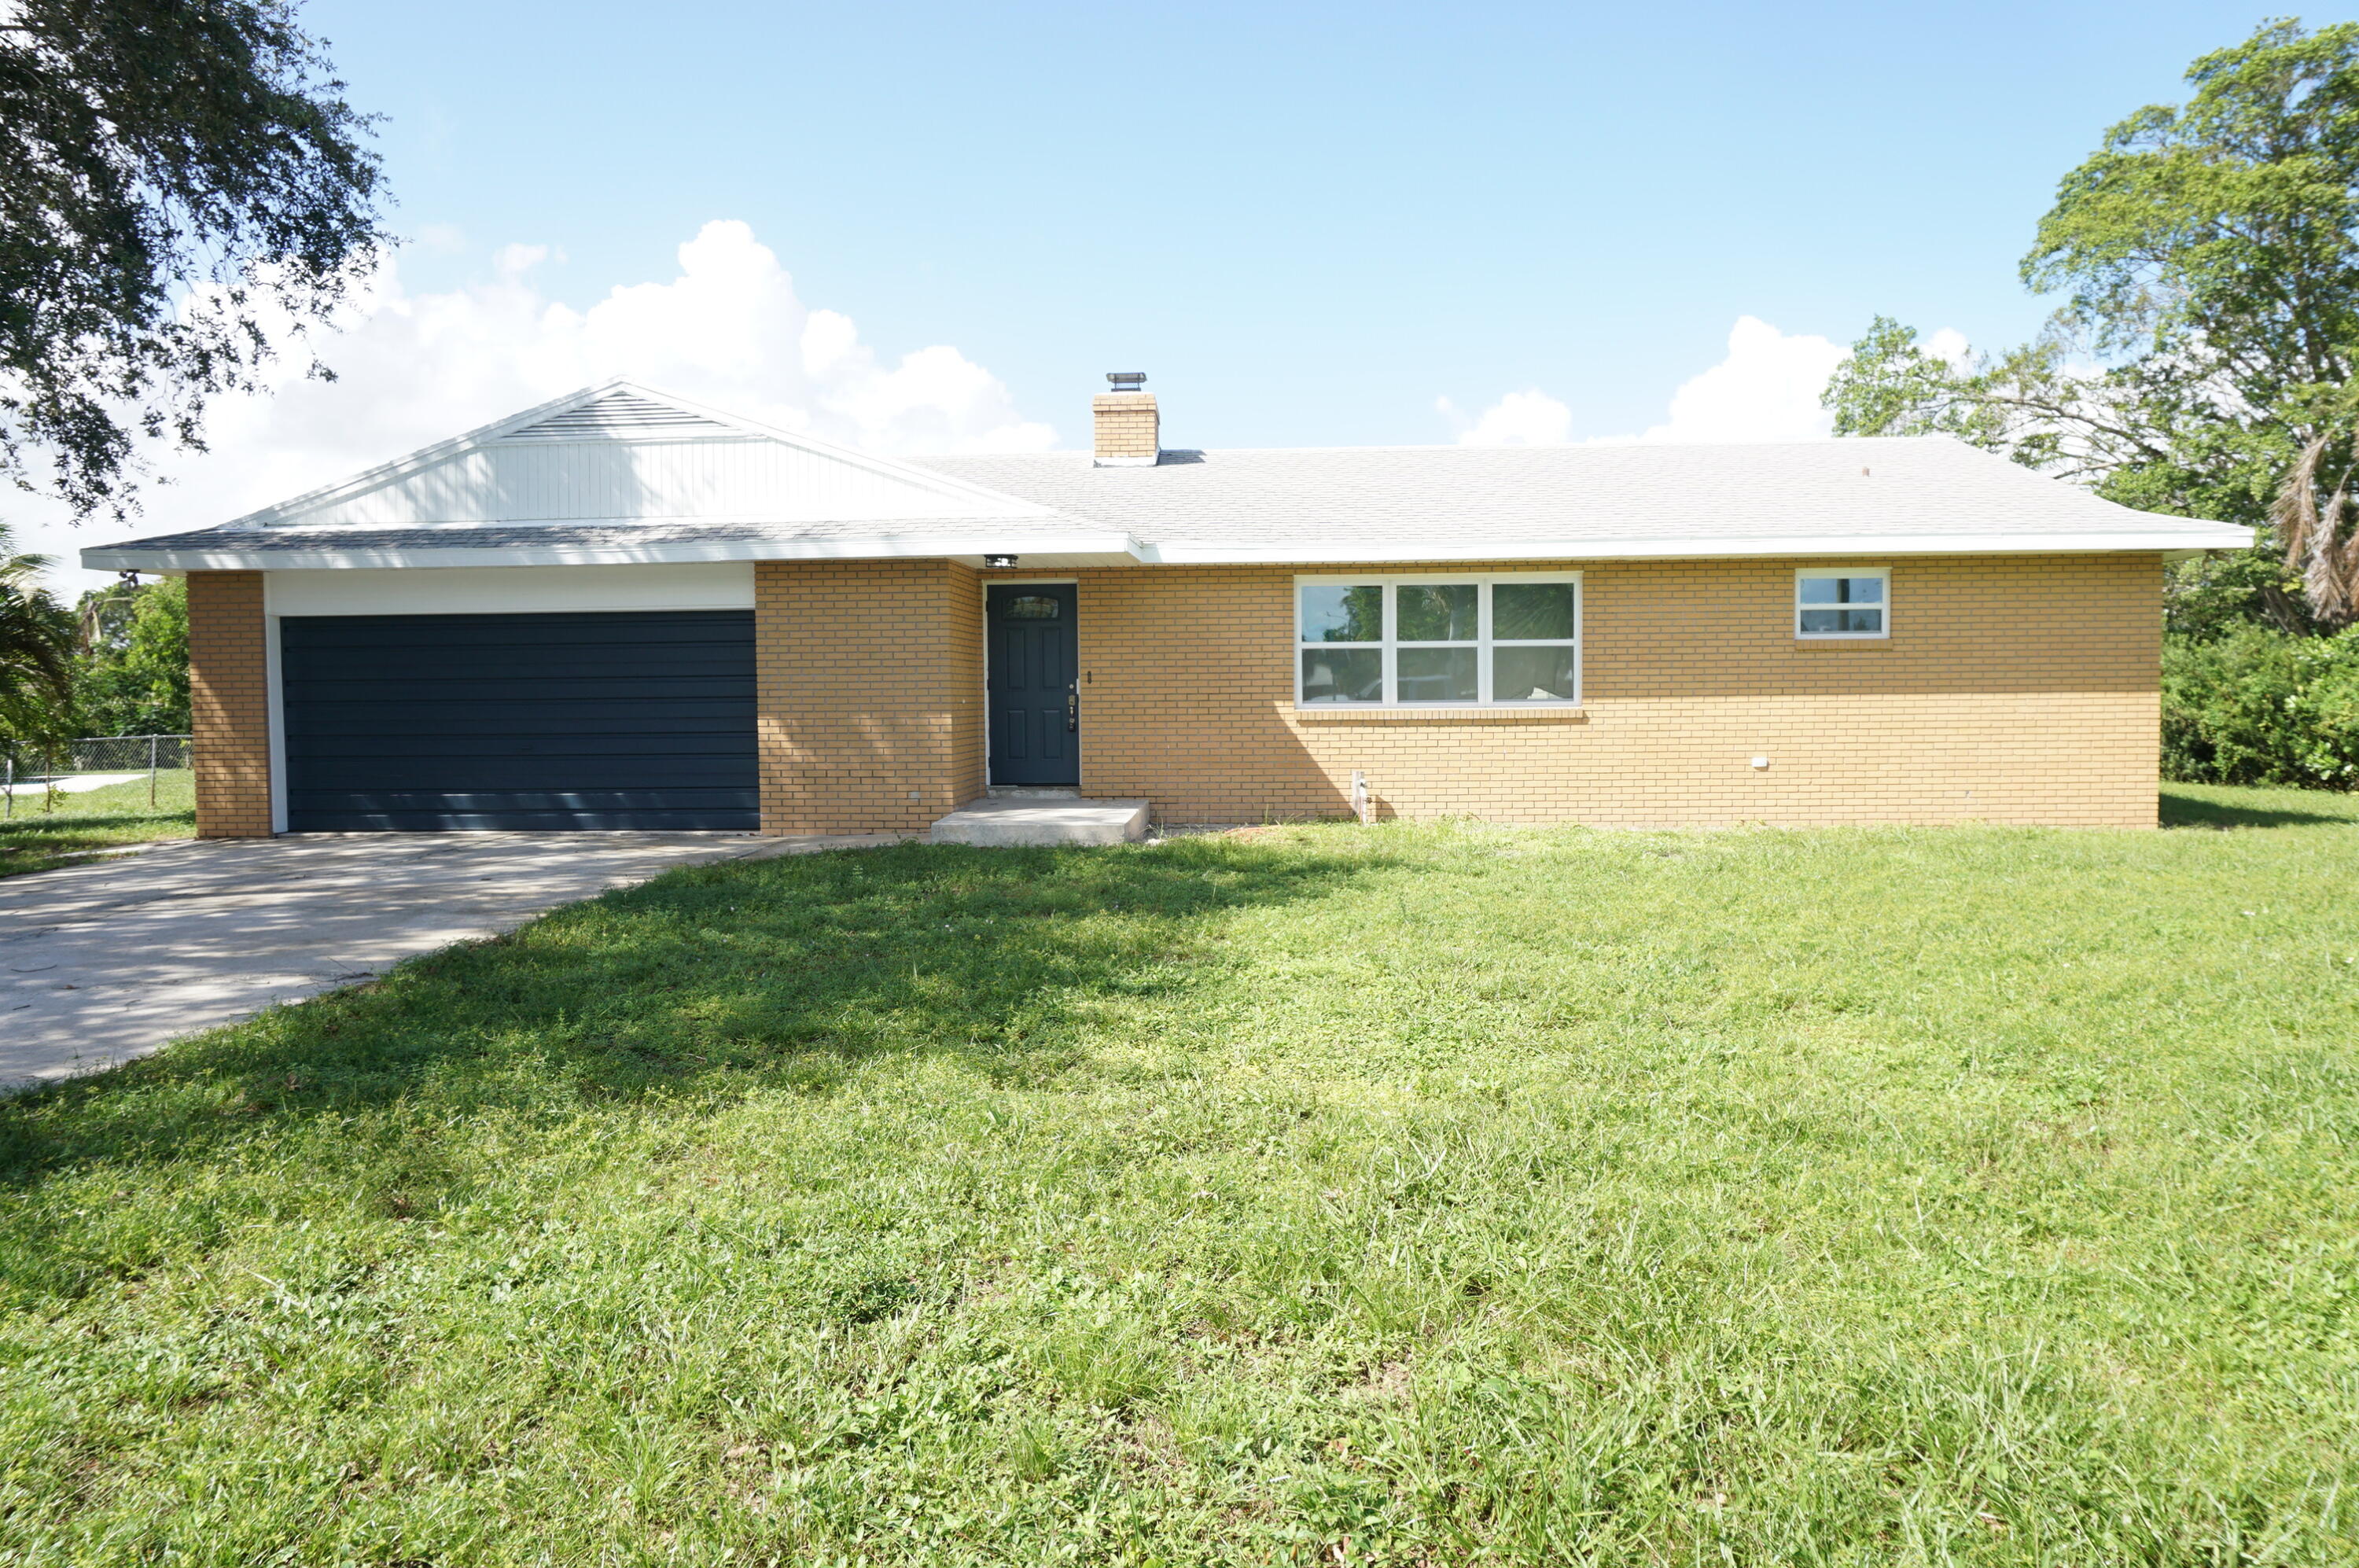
(1126, 380)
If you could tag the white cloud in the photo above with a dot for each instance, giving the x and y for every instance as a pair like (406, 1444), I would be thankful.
(1765, 389)
(440, 239)
(1949, 345)
(416, 369)
(1520, 419)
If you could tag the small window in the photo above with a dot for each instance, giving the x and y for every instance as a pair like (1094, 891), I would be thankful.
(1854, 602)
(1468, 642)
(1031, 607)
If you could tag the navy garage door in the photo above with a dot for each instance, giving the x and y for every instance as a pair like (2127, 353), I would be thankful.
(430, 723)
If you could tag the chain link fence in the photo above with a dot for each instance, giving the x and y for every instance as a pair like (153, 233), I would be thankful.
(73, 766)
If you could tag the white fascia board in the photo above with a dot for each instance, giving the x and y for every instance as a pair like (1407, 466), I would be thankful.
(1111, 549)
(702, 585)
(2211, 536)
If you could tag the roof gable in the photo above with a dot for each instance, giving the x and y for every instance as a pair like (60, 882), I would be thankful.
(625, 454)
(621, 414)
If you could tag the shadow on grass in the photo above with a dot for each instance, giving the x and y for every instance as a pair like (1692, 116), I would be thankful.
(35, 822)
(2182, 809)
(701, 985)
(41, 842)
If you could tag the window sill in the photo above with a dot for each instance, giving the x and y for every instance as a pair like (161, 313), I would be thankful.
(1412, 712)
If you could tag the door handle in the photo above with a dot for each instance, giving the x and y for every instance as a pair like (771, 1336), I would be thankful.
(1072, 706)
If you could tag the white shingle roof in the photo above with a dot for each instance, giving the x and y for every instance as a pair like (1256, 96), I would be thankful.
(658, 496)
(1319, 503)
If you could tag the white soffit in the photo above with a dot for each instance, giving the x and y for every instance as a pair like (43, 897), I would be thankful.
(624, 452)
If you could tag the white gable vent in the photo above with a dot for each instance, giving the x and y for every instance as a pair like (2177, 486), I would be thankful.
(620, 416)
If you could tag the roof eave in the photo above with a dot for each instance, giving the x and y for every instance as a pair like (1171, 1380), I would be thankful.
(1061, 549)
(2178, 540)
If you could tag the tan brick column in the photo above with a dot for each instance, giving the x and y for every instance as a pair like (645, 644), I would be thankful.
(228, 703)
(868, 679)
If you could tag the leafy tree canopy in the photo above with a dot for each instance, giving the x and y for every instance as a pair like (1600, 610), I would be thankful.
(36, 648)
(132, 674)
(177, 179)
(2201, 362)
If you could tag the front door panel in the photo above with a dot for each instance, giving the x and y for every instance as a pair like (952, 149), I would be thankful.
(1035, 702)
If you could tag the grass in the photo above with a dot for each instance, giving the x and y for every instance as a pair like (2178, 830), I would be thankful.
(32, 838)
(1395, 1195)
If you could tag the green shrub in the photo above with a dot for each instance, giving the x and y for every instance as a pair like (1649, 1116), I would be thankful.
(2256, 706)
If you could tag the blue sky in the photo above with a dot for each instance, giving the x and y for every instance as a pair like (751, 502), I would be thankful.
(1306, 223)
(1309, 225)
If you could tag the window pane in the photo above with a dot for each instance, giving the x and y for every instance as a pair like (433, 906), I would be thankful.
(1343, 614)
(1437, 675)
(1843, 589)
(1531, 674)
(1826, 621)
(1343, 675)
(1531, 610)
(1030, 607)
(1435, 612)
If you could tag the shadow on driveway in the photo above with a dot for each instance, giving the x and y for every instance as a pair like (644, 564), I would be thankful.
(102, 962)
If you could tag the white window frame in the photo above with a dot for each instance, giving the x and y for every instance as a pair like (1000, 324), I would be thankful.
(1482, 643)
(1802, 572)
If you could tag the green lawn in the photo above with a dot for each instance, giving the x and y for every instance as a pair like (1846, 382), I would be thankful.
(32, 838)
(1403, 1195)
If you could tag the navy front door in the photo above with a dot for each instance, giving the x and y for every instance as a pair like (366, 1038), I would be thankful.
(1035, 701)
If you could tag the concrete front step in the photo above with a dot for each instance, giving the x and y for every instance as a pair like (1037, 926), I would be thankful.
(1026, 820)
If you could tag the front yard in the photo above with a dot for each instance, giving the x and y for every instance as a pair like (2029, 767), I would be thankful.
(1408, 1195)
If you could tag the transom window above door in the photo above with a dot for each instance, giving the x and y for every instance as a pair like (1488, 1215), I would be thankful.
(1508, 640)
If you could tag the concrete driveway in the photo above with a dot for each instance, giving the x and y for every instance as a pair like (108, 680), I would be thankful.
(106, 961)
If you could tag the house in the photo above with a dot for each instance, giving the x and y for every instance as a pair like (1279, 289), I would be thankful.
(622, 609)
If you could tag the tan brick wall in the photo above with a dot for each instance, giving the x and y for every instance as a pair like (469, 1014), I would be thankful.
(2012, 689)
(1127, 424)
(968, 713)
(868, 679)
(229, 703)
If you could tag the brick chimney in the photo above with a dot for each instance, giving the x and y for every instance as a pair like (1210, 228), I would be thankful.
(1129, 431)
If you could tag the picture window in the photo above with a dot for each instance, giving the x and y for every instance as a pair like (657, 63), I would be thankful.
(1441, 641)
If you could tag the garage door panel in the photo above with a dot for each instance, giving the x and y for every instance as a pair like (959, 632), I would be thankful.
(569, 628)
(571, 770)
(610, 690)
(461, 665)
(548, 737)
(516, 810)
(550, 719)
(602, 721)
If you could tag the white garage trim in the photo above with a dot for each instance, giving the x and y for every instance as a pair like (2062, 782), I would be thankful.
(460, 591)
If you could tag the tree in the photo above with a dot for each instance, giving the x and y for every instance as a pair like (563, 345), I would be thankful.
(131, 673)
(36, 649)
(182, 188)
(2201, 362)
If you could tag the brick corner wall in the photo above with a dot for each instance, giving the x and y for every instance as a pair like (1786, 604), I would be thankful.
(229, 703)
(868, 679)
